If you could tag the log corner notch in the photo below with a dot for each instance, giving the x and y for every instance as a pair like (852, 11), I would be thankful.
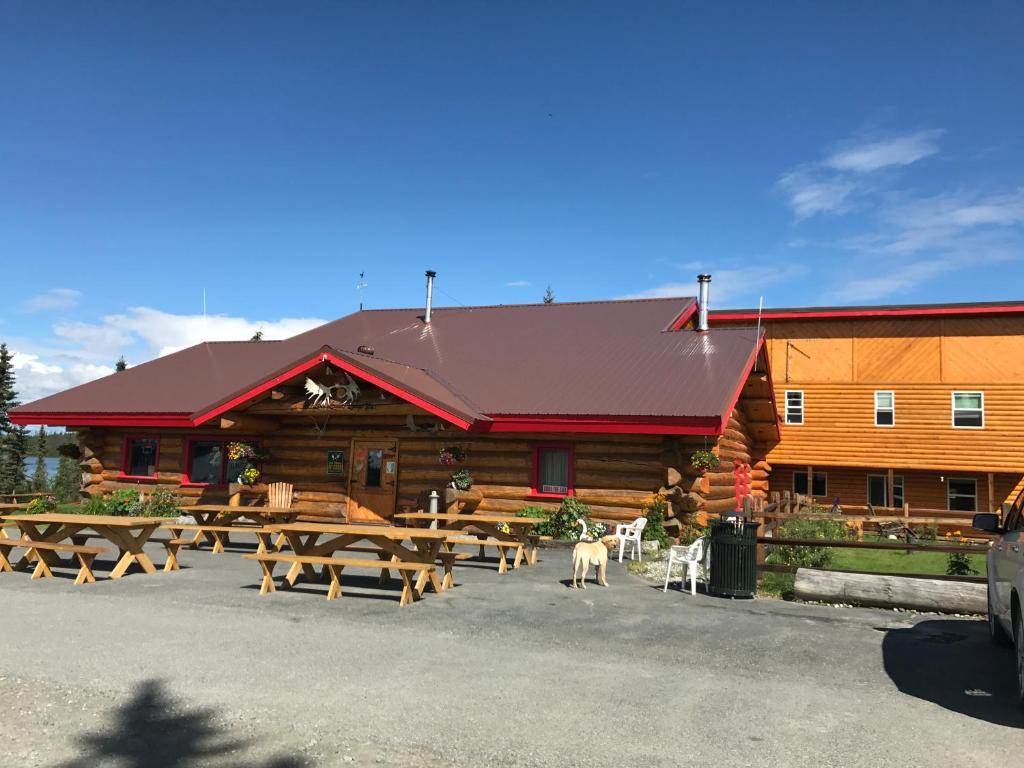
(248, 423)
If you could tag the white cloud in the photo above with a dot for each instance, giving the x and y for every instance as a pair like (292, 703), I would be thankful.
(862, 156)
(848, 174)
(36, 379)
(55, 298)
(727, 285)
(518, 284)
(80, 352)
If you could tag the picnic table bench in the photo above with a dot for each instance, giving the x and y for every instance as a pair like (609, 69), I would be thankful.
(501, 531)
(387, 542)
(85, 555)
(335, 565)
(215, 521)
(128, 534)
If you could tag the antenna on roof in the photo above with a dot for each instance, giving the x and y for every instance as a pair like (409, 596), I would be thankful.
(362, 284)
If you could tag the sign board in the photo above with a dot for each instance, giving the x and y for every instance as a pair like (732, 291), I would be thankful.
(336, 462)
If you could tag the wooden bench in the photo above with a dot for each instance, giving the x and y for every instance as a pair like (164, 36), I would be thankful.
(217, 532)
(170, 544)
(335, 565)
(500, 544)
(85, 555)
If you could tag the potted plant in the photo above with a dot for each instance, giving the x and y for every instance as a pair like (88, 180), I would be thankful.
(462, 480)
(250, 473)
(451, 454)
(704, 460)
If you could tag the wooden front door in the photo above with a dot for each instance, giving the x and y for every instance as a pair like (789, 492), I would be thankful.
(374, 481)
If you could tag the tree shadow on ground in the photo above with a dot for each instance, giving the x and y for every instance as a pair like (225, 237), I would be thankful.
(952, 663)
(153, 730)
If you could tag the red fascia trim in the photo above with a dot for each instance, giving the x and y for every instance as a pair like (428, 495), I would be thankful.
(636, 425)
(124, 458)
(103, 419)
(743, 380)
(345, 366)
(535, 492)
(684, 318)
(855, 313)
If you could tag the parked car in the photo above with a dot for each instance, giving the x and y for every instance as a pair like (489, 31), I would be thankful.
(1005, 562)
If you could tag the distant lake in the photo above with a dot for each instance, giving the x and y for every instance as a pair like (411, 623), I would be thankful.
(51, 465)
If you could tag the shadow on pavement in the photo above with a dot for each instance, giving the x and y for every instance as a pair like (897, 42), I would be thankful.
(151, 730)
(953, 664)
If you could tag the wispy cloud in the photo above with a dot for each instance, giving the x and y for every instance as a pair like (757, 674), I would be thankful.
(518, 284)
(55, 298)
(727, 285)
(848, 173)
(79, 352)
(865, 156)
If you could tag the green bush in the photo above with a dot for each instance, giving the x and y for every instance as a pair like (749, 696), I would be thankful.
(41, 504)
(926, 532)
(959, 564)
(124, 502)
(691, 530)
(654, 511)
(162, 503)
(807, 557)
(543, 525)
(95, 505)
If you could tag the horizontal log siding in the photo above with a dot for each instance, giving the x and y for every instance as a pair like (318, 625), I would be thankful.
(839, 430)
(921, 490)
(616, 474)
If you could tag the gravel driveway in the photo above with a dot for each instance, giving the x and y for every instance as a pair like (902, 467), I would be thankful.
(196, 669)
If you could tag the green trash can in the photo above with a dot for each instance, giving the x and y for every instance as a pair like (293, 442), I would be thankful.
(733, 560)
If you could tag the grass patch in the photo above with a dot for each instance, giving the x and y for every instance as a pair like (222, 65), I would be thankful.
(779, 585)
(897, 561)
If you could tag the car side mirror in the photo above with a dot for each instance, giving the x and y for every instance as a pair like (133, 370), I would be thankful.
(987, 521)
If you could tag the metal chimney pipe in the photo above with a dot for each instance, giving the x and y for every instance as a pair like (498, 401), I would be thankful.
(431, 274)
(703, 284)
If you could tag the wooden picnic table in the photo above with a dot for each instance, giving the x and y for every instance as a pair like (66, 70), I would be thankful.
(13, 507)
(128, 534)
(226, 515)
(305, 540)
(488, 526)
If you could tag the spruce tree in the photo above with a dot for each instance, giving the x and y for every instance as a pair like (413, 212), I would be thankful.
(17, 454)
(121, 364)
(67, 483)
(40, 480)
(10, 472)
(549, 296)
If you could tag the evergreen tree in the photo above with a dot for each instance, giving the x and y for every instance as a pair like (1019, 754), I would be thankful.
(67, 483)
(549, 296)
(40, 480)
(10, 471)
(258, 336)
(121, 364)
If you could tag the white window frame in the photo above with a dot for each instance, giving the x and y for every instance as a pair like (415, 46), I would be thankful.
(961, 480)
(892, 409)
(810, 483)
(953, 409)
(802, 409)
(897, 482)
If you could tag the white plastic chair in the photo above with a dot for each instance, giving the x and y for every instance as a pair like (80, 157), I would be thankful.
(690, 557)
(631, 532)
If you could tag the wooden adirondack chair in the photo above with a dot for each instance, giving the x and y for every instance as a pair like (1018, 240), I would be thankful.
(280, 495)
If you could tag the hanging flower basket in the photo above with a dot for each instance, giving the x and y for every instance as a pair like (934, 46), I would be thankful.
(451, 454)
(462, 480)
(703, 461)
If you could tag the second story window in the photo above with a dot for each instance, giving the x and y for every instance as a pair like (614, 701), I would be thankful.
(794, 406)
(885, 409)
(969, 410)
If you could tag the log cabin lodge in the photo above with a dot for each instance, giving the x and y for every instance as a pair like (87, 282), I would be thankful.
(605, 401)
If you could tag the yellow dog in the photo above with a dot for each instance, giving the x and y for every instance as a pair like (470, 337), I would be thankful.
(591, 553)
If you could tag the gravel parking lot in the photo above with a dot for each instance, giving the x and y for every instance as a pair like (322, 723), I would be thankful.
(195, 668)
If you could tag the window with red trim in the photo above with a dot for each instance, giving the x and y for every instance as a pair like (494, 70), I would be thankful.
(140, 458)
(207, 462)
(552, 471)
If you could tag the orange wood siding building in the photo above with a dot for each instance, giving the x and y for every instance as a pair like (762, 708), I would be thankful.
(916, 358)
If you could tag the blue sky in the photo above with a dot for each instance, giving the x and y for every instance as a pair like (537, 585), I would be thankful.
(812, 153)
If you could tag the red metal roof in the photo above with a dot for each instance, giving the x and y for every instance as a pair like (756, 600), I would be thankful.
(595, 365)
